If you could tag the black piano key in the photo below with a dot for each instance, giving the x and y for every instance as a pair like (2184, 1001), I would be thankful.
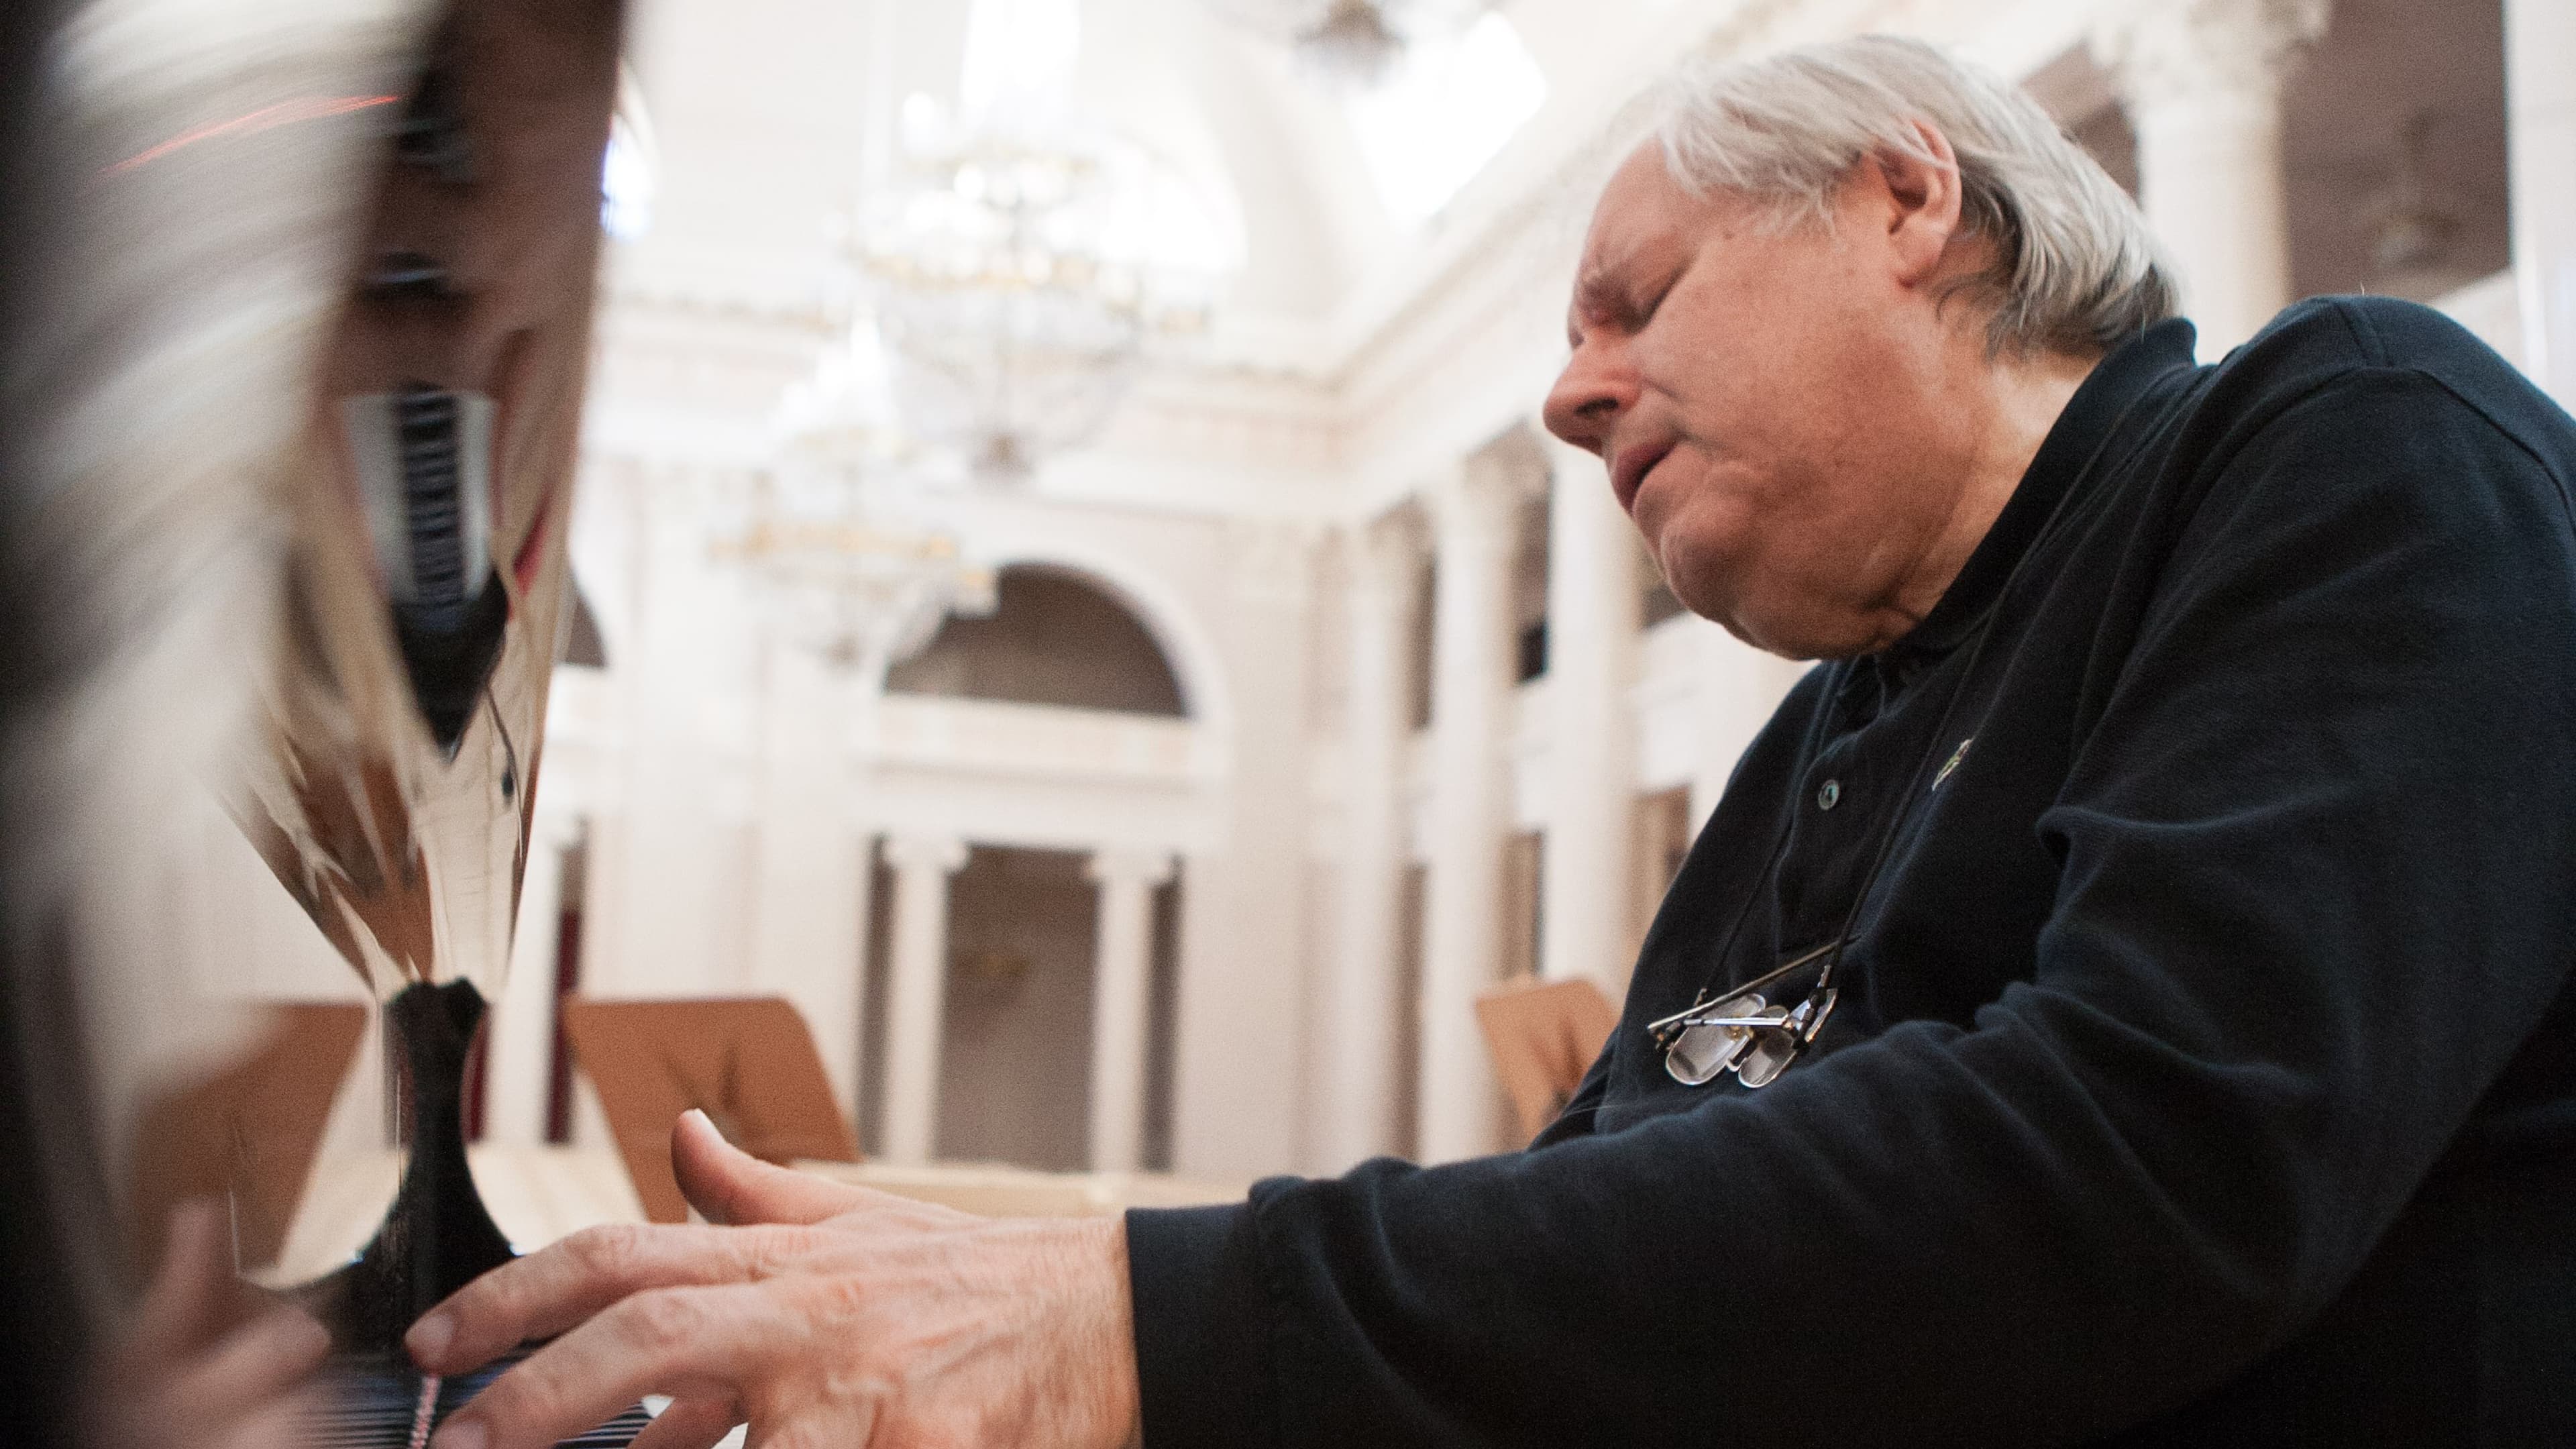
(426, 426)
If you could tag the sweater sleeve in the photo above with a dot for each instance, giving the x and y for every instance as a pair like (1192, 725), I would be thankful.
(2313, 895)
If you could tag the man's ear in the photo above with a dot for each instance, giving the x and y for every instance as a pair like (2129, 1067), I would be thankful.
(1917, 198)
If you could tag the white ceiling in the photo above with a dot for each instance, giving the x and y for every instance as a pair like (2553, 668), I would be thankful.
(760, 112)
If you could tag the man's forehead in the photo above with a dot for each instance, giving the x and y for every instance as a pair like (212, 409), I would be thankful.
(1640, 209)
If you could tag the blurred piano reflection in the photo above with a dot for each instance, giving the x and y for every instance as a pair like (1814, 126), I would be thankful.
(384, 441)
(392, 786)
(297, 315)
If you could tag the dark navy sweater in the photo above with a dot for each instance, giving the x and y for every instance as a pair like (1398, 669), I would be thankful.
(2205, 1066)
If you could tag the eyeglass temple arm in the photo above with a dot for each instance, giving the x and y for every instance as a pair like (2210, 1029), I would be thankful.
(1684, 1019)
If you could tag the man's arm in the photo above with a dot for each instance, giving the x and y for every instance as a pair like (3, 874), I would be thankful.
(2314, 898)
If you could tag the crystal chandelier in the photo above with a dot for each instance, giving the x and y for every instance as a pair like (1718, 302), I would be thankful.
(844, 416)
(842, 567)
(1030, 259)
(1353, 45)
(1016, 287)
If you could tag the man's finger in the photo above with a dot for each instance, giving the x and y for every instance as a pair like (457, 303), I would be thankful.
(728, 1185)
(690, 1343)
(550, 1290)
(180, 1308)
(251, 1366)
(689, 1424)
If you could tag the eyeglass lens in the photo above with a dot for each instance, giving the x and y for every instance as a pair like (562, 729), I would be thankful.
(1700, 1053)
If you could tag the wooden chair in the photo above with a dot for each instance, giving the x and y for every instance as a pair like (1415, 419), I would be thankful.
(747, 1062)
(1544, 1036)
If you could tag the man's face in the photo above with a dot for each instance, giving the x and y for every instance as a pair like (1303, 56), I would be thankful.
(1767, 397)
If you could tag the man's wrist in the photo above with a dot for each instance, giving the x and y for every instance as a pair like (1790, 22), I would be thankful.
(1108, 1360)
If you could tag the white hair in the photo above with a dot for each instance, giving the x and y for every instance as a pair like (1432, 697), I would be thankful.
(2074, 268)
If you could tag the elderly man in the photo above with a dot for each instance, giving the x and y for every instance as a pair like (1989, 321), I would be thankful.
(2121, 997)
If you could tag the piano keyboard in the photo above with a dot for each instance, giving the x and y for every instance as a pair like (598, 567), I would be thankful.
(426, 422)
(380, 1402)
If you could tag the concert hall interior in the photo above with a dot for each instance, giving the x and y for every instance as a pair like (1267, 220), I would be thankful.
(1066, 586)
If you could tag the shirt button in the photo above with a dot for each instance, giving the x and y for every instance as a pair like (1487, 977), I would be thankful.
(1829, 794)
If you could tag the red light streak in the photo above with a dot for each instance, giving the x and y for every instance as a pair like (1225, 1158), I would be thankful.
(310, 108)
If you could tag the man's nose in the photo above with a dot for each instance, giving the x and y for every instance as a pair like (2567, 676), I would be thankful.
(1588, 397)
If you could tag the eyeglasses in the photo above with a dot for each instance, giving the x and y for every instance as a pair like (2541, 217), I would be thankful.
(1744, 1032)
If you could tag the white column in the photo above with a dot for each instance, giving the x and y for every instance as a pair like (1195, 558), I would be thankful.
(2202, 81)
(1122, 972)
(1471, 681)
(916, 992)
(1355, 1081)
(1593, 607)
(518, 1043)
(2540, 143)
(1241, 1021)
(809, 874)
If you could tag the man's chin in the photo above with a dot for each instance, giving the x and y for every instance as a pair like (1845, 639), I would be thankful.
(1726, 612)
(1787, 646)
(1711, 587)
(1788, 637)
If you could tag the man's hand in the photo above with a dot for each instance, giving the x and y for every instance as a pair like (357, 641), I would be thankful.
(828, 1317)
(208, 1362)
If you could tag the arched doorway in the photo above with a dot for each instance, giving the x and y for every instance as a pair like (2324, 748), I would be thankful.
(1016, 1056)
(1055, 637)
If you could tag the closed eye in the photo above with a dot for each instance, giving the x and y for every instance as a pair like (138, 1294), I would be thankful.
(1642, 310)
(1599, 306)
